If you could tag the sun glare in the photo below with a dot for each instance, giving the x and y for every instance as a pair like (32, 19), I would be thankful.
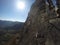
(21, 5)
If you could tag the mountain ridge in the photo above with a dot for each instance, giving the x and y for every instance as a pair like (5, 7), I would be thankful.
(10, 24)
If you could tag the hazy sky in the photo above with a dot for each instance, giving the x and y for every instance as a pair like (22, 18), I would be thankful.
(10, 11)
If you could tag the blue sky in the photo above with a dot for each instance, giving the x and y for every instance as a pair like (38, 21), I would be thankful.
(9, 11)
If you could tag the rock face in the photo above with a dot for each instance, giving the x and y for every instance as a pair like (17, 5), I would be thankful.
(35, 29)
(41, 27)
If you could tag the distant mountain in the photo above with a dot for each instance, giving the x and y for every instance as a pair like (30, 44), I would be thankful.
(7, 25)
(8, 29)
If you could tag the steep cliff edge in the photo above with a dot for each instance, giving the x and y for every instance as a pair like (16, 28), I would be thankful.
(42, 26)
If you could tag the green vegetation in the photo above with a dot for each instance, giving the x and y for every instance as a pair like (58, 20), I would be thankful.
(5, 36)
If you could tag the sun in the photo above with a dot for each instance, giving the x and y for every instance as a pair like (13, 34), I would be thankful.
(21, 5)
